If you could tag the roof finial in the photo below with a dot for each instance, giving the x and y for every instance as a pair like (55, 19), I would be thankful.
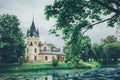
(33, 17)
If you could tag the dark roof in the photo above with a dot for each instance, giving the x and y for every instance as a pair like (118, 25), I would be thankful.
(32, 32)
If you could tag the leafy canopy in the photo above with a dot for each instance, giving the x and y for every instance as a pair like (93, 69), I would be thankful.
(11, 38)
(83, 14)
(75, 17)
(109, 39)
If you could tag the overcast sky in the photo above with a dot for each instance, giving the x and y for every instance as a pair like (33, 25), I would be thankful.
(24, 10)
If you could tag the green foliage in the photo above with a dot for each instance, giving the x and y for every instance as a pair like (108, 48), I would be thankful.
(55, 62)
(2, 44)
(73, 13)
(72, 50)
(113, 51)
(0, 59)
(109, 39)
(11, 38)
(79, 49)
(108, 51)
(87, 51)
(75, 17)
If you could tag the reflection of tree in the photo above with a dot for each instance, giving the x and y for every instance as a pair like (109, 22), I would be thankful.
(57, 76)
(46, 78)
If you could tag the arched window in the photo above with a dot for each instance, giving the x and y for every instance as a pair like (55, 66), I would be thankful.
(31, 44)
(35, 50)
(46, 58)
(58, 58)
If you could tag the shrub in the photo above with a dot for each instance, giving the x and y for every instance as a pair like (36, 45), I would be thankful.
(54, 62)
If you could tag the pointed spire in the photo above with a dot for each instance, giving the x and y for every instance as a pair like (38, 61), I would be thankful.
(32, 31)
(33, 17)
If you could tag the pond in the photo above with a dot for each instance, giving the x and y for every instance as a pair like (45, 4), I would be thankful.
(100, 74)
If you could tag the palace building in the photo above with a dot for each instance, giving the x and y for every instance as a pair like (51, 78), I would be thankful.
(40, 52)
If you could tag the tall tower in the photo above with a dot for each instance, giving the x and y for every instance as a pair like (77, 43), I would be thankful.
(32, 43)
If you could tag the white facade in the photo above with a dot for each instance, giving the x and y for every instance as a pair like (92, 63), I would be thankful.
(32, 47)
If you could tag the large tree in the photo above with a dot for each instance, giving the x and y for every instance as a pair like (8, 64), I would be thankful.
(75, 17)
(83, 14)
(111, 48)
(113, 51)
(108, 51)
(109, 39)
(11, 38)
(77, 50)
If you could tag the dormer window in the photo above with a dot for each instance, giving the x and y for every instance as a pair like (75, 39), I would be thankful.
(45, 48)
(51, 48)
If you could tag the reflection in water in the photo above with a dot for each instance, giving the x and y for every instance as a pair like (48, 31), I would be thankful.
(100, 74)
(53, 76)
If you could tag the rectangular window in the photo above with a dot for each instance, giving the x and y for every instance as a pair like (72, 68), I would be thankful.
(58, 58)
(35, 50)
(46, 58)
(31, 44)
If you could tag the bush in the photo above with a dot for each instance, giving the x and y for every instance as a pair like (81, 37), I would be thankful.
(54, 62)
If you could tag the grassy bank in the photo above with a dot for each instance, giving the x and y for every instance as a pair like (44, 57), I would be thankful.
(46, 66)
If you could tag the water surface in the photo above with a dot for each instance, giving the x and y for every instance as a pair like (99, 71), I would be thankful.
(76, 74)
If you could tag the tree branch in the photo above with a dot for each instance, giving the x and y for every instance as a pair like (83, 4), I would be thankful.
(115, 2)
(107, 6)
(98, 23)
(104, 20)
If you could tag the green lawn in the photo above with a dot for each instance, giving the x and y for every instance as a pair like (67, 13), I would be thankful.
(46, 66)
